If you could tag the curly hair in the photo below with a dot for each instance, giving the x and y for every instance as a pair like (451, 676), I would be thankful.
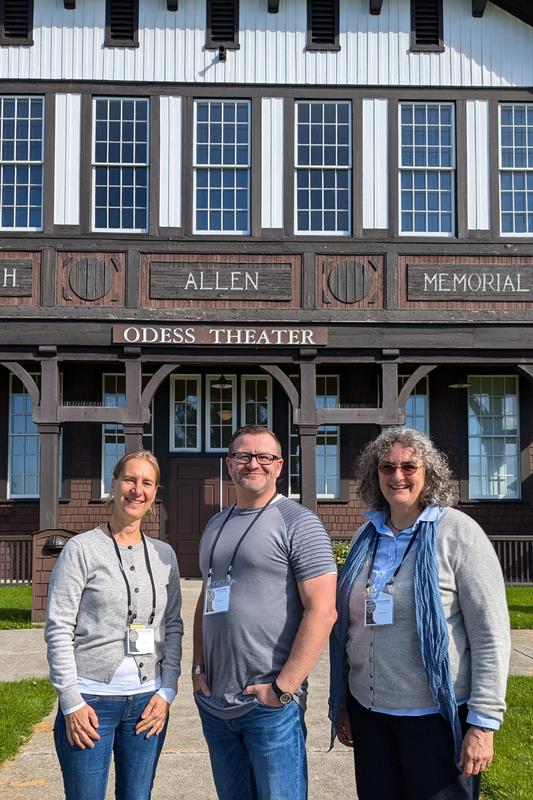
(438, 487)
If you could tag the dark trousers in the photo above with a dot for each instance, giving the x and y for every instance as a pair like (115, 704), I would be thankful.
(406, 758)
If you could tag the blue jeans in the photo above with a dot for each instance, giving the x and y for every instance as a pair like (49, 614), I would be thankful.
(260, 755)
(85, 772)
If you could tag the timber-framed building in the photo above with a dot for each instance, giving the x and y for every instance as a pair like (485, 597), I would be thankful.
(311, 214)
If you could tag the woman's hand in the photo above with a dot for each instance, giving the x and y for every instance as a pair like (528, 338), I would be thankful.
(344, 732)
(81, 727)
(153, 717)
(477, 751)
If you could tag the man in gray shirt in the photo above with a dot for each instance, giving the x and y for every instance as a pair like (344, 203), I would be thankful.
(264, 614)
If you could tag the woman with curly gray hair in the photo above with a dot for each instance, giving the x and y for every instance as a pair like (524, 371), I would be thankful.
(420, 650)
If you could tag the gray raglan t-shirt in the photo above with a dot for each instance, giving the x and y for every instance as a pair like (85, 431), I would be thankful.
(251, 642)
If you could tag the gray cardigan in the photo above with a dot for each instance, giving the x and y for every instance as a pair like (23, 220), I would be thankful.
(386, 668)
(87, 612)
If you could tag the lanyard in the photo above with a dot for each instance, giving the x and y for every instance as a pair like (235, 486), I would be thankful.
(248, 529)
(131, 615)
(398, 568)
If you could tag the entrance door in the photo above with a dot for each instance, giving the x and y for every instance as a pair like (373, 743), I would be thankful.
(200, 487)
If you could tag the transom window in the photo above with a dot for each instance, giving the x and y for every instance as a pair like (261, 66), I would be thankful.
(427, 169)
(222, 166)
(516, 168)
(120, 164)
(323, 161)
(21, 163)
(493, 437)
(327, 443)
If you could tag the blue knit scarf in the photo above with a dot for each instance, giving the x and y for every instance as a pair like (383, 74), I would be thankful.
(430, 625)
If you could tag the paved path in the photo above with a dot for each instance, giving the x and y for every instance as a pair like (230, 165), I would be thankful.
(183, 772)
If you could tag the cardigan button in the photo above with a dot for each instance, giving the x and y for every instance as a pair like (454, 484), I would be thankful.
(141, 664)
(132, 568)
(144, 677)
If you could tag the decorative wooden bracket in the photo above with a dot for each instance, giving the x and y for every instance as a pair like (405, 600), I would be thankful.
(478, 7)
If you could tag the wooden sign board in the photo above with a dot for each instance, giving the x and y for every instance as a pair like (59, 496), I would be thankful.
(219, 335)
(470, 282)
(16, 277)
(199, 280)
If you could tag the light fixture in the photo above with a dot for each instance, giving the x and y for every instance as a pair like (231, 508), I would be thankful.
(459, 385)
(225, 414)
(221, 383)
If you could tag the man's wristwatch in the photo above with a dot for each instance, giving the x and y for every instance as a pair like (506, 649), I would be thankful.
(198, 669)
(283, 697)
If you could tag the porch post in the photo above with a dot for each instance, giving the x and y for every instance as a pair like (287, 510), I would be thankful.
(49, 430)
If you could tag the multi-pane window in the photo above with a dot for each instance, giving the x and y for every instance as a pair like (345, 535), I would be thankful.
(222, 166)
(417, 405)
(21, 163)
(427, 168)
(327, 443)
(120, 164)
(221, 411)
(323, 161)
(113, 437)
(493, 437)
(23, 478)
(516, 168)
(185, 427)
(256, 400)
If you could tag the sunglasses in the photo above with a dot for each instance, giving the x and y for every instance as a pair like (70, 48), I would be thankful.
(407, 468)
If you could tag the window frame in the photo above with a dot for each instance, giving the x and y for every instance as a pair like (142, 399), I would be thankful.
(526, 171)
(402, 379)
(172, 427)
(10, 495)
(517, 437)
(119, 165)
(17, 164)
(322, 169)
(234, 409)
(268, 380)
(221, 168)
(452, 170)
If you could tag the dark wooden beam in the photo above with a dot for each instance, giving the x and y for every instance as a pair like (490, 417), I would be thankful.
(172, 5)
(273, 6)
(69, 3)
(478, 7)
(375, 6)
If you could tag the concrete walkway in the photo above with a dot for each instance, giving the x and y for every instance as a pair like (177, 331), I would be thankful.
(183, 772)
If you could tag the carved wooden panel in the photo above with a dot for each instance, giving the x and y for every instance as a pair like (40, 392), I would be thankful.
(467, 282)
(20, 275)
(96, 279)
(349, 282)
(220, 281)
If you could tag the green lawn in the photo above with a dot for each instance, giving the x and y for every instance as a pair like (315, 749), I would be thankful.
(511, 775)
(22, 705)
(15, 607)
(520, 602)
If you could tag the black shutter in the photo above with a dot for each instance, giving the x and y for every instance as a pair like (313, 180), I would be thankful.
(322, 22)
(17, 21)
(122, 24)
(222, 22)
(426, 20)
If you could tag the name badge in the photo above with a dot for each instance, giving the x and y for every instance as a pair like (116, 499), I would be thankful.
(216, 600)
(379, 610)
(140, 640)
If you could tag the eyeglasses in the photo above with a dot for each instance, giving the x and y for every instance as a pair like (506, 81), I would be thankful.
(406, 468)
(261, 458)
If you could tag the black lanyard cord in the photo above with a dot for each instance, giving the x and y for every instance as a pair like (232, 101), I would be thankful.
(131, 615)
(250, 526)
(398, 568)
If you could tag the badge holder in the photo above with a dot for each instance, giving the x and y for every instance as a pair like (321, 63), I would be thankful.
(217, 596)
(140, 640)
(379, 610)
